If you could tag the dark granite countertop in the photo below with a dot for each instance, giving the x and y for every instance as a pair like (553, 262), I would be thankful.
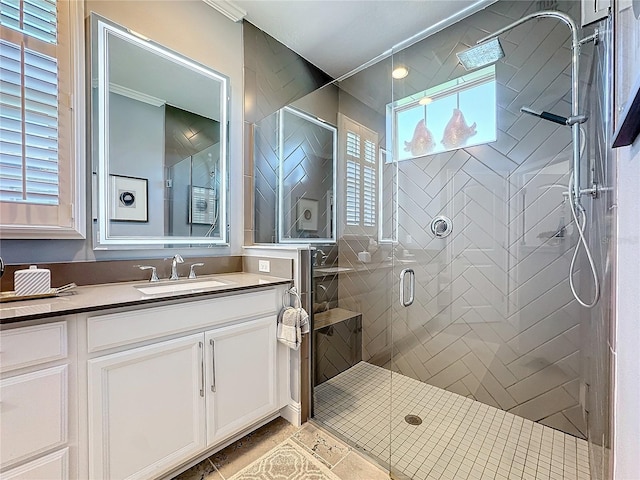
(112, 295)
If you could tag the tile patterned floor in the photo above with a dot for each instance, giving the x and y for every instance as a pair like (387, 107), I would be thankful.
(288, 460)
(459, 438)
(335, 455)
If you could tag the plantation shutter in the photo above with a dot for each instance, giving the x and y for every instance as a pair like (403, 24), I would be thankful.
(353, 178)
(40, 43)
(360, 164)
(369, 185)
(29, 101)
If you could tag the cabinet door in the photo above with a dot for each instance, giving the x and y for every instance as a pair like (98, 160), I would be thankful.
(33, 413)
(54, 466)
(146, 408)
(242, 376)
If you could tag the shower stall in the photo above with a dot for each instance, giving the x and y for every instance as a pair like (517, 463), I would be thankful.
(447, 342)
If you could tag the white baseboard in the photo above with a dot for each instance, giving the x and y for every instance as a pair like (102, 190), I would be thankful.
(292, 413)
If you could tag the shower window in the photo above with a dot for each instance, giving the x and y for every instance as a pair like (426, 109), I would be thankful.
(458, 113)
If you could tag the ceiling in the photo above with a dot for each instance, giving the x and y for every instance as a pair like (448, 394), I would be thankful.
(338, 36)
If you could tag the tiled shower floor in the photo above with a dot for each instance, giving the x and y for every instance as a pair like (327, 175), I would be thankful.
(459, 438)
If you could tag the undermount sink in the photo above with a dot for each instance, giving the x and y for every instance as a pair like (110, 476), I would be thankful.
(178, 286)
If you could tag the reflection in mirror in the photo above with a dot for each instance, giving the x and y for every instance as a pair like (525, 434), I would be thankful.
(159, 143)
(309, 170)
(307, 166)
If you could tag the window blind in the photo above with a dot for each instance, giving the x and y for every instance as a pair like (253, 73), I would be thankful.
(29, 170)
(369, 197)
(35, 18)
(361, 174)
(369, 185)
(353, 193)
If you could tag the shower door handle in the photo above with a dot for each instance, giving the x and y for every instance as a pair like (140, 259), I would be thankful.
(412, 287)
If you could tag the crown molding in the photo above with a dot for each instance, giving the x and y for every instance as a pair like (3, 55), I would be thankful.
(134, 94)
(228, 9)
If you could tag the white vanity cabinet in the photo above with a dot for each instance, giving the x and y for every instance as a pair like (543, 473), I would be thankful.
(146, 408)
(35, 402)
(242, 381)
(155, 406)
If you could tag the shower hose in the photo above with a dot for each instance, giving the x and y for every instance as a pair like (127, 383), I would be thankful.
(580, 219)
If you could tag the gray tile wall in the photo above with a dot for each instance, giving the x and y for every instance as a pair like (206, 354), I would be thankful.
(494, 318)
(601, 237)
(337, 348)
(274, 77)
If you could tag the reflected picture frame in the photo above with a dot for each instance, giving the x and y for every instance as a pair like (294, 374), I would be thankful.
(202, 208)
(129, 199)
(307, 214)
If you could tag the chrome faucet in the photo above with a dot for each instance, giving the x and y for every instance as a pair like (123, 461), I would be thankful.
(154, 275)
(177, 258)
(192, 273)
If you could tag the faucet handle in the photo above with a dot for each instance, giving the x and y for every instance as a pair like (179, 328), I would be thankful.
(154, 275)
(192, 273)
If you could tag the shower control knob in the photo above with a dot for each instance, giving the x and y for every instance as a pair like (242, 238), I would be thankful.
(441, 226)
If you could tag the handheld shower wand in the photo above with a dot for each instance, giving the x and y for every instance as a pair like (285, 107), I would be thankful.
(492, 51)
(552, 117)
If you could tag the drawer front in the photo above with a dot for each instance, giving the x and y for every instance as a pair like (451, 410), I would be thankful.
(54, 466)
(23, 347)
(114, 330)
(33, 413)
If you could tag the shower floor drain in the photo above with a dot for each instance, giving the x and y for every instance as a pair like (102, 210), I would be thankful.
(413, 419)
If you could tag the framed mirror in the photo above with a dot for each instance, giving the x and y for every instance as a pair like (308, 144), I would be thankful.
(307, 153)
(159, 144)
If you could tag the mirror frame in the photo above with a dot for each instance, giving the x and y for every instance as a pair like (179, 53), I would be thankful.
(100, 29)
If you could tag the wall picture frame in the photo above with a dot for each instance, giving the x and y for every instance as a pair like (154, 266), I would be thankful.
(129, 199)
(307, 214)
(626, 78)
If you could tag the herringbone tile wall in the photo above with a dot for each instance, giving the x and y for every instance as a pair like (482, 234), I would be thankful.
(494, 318)
(274, 77)
(307, 173)
(601, 237)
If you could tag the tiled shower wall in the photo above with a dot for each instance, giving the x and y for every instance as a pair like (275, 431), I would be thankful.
(494, 318)
(596, 322)
(307, 170)
(275, 76)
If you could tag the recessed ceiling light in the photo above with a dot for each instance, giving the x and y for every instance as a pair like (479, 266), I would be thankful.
(425, 100)
(400, 72)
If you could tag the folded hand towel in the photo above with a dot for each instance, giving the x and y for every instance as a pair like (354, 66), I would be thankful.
(292, 323)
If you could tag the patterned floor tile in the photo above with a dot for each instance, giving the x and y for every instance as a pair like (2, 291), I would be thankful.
(457, 438)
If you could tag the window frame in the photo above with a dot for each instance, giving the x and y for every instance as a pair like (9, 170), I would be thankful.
(68, 218)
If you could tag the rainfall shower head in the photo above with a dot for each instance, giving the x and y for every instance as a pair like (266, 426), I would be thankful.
(481, 55)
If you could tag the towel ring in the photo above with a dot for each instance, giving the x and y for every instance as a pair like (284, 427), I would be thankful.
(286, 297)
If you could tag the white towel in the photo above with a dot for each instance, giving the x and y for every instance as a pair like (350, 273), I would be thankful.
(292, 323)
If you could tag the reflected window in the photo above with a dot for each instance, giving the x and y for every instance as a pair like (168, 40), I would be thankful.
(458, 113)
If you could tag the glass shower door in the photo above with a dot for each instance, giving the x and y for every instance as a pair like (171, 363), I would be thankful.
(450, 266)
(490, 335)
